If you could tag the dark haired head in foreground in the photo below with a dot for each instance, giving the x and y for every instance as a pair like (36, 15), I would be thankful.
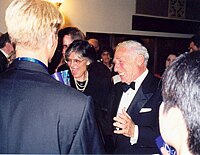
(179, 112)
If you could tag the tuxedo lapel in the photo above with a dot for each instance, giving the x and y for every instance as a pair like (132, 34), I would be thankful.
(138, 101)
(142, 96)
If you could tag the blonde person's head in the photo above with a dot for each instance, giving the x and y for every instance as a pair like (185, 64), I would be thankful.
(29, 22)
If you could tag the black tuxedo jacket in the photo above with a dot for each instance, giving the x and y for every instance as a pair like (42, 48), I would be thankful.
(147, 96)
(3, 62)
(41, 115)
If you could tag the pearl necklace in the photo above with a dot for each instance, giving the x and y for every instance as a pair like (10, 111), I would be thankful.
(81, 85)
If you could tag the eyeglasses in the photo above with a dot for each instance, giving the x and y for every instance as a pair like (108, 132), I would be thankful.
(64, 46)
(74, 61)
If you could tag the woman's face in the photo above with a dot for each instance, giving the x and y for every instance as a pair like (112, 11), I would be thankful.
(169, 60)
(78, 66)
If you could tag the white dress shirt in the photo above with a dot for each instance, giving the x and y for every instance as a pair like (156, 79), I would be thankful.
(126, 99)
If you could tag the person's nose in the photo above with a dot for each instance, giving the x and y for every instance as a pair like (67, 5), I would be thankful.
(72, 63)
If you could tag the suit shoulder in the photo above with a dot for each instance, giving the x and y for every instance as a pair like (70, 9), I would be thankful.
(154, 80)
(65, 94)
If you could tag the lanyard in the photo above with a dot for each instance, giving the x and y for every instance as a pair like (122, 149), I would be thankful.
(32, 60)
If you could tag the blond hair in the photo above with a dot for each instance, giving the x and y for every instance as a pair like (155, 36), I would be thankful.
(29, 22)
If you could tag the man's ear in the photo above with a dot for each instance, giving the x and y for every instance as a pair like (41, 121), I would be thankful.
(140, 59)
(175, 114)
(51, 40)
(179, 126)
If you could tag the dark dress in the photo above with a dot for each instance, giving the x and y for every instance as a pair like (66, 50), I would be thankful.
(98, 88)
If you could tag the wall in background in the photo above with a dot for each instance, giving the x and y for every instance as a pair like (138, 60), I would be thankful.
(110, 21)
(101, 16)
(113, 16)
(3, 5)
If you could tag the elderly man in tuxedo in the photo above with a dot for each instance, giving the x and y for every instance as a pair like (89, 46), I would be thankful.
(39, 115)
(134, 101)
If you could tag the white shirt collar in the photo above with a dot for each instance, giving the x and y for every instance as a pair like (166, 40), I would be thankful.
(6, 55)
(140, 79)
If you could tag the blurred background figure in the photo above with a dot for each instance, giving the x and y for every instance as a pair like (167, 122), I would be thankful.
(169, 60)
(194, 44)
(98, 68)
(80, 57)
(107, 59)
(171, 57)
(95, 43)
(7, 53)
(179, 112)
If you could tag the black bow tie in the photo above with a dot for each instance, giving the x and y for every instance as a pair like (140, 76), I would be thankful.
(125, 86)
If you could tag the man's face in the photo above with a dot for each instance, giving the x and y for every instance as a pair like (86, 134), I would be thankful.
(67, 40)
(192, 47)
(126, 64)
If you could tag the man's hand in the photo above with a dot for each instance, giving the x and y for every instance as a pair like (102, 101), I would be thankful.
(124, 124)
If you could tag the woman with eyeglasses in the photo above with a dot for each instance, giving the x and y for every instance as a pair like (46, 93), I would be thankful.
(80, 57)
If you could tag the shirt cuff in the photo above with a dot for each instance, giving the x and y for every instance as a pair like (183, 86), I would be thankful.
(133, 140)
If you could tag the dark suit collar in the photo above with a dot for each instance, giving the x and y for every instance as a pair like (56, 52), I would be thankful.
(147, 84)
(26, 65)
(144, 93)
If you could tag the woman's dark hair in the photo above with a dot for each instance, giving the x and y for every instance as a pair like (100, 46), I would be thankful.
(196, 40)
(83, 49)
(4, 38)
